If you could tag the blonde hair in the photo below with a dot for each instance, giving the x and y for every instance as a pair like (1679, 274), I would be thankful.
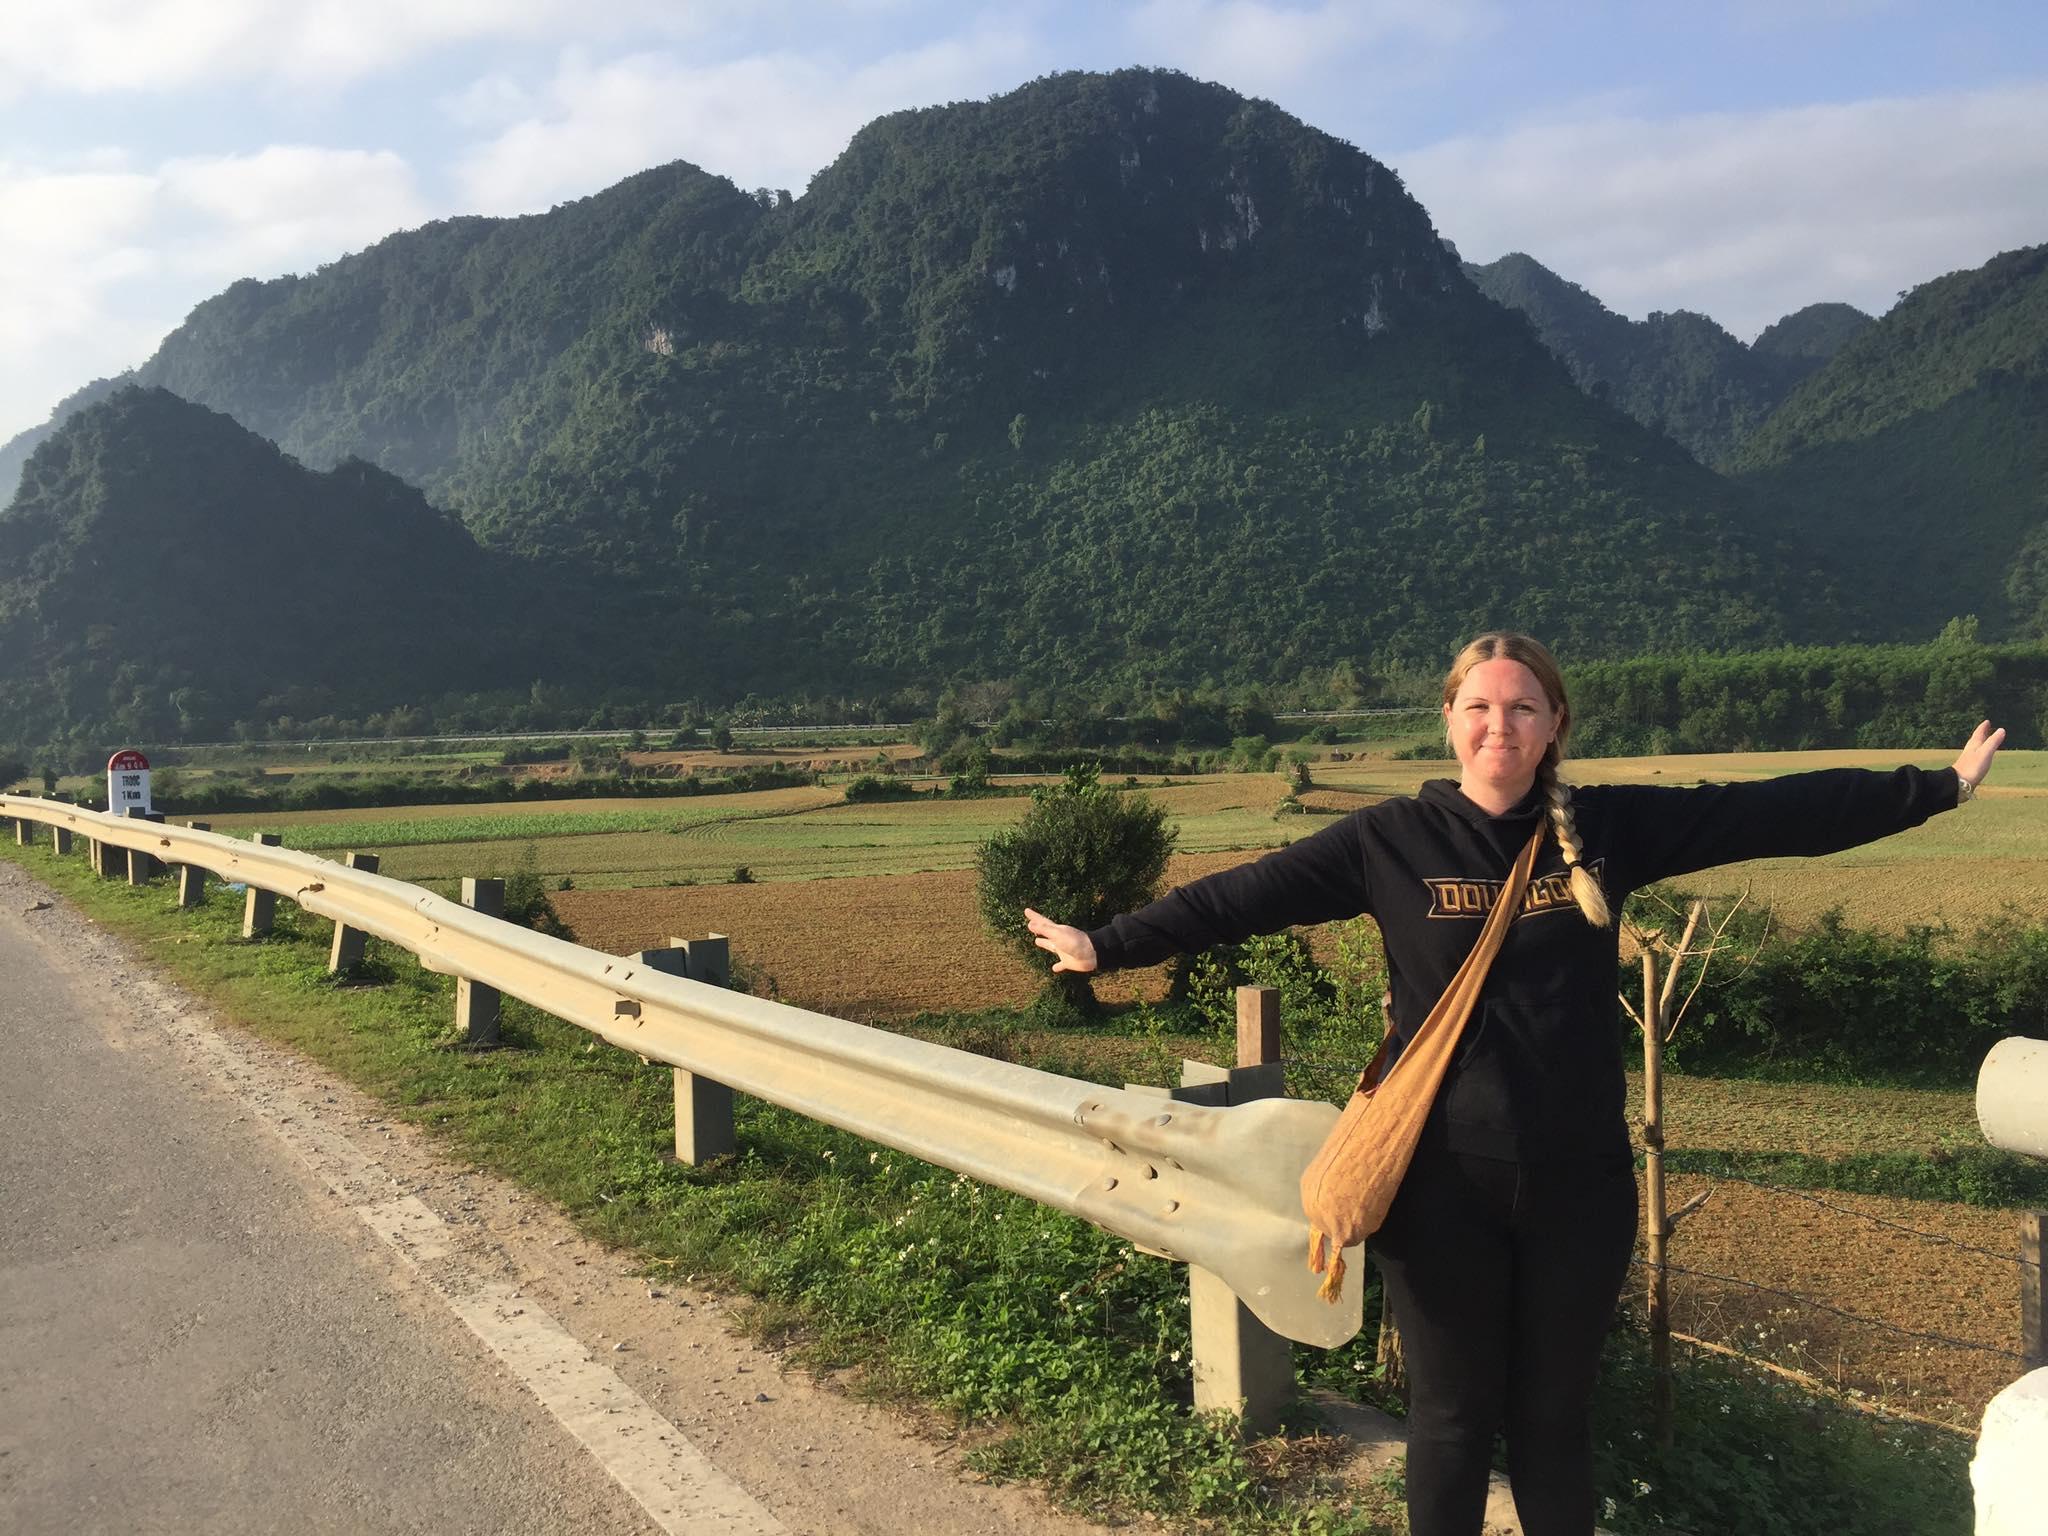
(1502, 645)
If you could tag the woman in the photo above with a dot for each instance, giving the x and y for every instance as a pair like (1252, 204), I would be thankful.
(1505, 1251)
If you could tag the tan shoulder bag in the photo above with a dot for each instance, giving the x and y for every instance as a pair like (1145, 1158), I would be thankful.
(1351, 1182)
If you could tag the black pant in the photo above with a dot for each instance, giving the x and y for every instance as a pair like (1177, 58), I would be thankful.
(1503, 1278)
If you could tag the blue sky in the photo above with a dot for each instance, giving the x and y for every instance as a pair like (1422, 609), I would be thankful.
(1741, 159)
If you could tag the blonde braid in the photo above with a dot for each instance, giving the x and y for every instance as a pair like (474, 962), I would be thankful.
(1585, 884)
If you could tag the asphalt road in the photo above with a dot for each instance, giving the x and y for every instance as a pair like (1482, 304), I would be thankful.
(193, 1338)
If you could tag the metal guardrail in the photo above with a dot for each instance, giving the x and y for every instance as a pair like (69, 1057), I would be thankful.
(1217, 1188)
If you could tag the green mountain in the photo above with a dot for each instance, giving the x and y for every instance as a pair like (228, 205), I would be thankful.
(1677, 373)
(179, 573)
(1813, 334)
(15, 451)
(1115, 381)
(1919, 455)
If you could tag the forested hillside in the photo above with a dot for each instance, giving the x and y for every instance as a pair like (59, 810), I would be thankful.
(1918, 457)
(1677, 373)
(1114, 381)
(177, 573)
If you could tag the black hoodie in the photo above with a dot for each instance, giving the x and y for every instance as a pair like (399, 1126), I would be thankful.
(1538, 1073)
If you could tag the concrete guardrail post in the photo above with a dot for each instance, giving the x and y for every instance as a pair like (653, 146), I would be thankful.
(704, 1123)
(1241, 1366)
(346, 953)
(60, 837)
(476, 1005)
(24, 832)
(259, 908)
(143, 866)
(191, 878)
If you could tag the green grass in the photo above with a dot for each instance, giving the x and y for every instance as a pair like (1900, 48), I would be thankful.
(1069, 1348)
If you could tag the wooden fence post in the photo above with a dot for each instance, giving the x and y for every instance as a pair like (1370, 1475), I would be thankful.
(1656, 1220)
(346, 952)
(1241, 1366)
(476, 1005)
(2033, 1343)
(259, 908)
(704, 1123)
(191, 878)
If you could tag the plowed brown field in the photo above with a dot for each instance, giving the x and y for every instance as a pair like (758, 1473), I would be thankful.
(1832, 1253)
(878, 947)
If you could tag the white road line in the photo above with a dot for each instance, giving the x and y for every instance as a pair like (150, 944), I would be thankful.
(670, 1478)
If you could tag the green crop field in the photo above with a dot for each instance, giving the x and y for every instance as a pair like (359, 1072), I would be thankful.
(1956, 870)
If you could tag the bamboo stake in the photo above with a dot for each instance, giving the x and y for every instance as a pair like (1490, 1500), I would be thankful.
(1656, 1222)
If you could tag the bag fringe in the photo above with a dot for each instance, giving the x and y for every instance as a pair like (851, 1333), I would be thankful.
(1322, 1255)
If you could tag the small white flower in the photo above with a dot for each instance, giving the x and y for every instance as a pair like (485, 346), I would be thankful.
(1608, 1508)
(1642, 1488)
(1726, 1409)
(873, 1155)
(1174, 1357)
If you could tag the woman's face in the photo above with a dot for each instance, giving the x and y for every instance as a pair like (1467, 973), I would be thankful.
(1500, 725)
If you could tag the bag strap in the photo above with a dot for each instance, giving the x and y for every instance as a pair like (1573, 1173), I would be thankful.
(1401, 1103)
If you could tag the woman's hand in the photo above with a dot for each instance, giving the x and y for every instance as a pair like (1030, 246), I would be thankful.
(1069, 947)
(1975, 761)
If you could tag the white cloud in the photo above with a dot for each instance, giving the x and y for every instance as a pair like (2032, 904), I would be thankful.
(99, 262)
(102, 46)
(492, 103)
(1747, 217)
(1268, 49)
(770, 119)
(287, 206)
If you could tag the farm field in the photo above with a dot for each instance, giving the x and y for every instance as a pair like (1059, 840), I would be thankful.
(811, 834)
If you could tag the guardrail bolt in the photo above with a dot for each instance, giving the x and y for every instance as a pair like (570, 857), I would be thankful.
(346, 953)
(259, 908)
(704, 1112)
(476, 1005)
(191, 878)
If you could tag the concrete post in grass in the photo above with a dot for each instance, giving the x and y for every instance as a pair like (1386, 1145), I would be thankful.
(704, 1125)
(143, 866)
(346, 953)
(476, 1005)
(191, 878)
(60, 837)
(24, 832)
(259, 908)
(1240, 1365)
